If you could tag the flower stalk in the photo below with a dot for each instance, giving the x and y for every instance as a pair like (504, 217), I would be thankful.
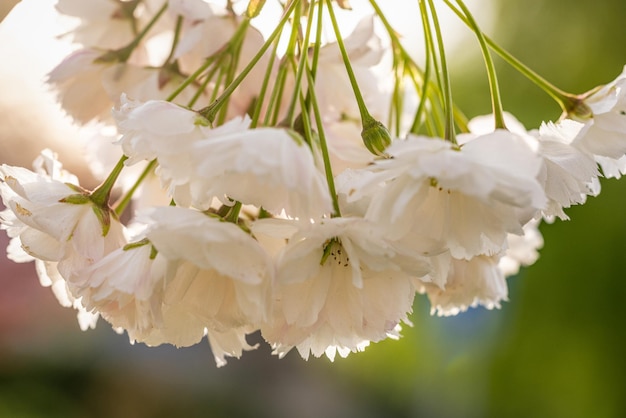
(496, 102)
(328, 170)
(449, 132)
(210, 111)
(100, 196)
(375, 135)
(123, 54)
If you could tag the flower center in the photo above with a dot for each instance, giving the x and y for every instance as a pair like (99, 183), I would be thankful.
(335, 254)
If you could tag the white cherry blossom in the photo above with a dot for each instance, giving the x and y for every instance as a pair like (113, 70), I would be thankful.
(218, 281)
(605, 133)
(266, 167)
(126, 287)
(340, 285)
(469, 283)
(568, 175)
(157, 128)
(104, 24)
(62, 232)
(468, 199)
(56, 225)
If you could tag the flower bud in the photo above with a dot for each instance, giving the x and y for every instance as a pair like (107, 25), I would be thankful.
(375, 136)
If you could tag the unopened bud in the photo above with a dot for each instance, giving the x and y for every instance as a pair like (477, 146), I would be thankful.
(375, 136)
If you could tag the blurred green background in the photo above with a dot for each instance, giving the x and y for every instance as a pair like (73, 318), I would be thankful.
(555, 350)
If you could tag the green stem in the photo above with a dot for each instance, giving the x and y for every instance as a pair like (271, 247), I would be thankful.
(217, 58)
(375, 135)
(120, 205)
(323, 144)
(429, 90)
(290, 55)
(210, 111)
(177, 29)
(397, 100)
(306, 104)
(100, 196)
(449, 132)
(399, 66)
(150, 24)
(271, 118)
(365, 115)
(305, 120)
(202, 87)
(421, 108)
(318, 40)
(235, 54)
(496, 102)
(286, 66)
(190, 79)
(274, 104)
(260, 99)
(124, 53)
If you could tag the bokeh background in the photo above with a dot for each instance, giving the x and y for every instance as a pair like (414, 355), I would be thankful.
(557, 349)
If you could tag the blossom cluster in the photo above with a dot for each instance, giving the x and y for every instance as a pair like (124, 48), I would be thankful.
(266, 187)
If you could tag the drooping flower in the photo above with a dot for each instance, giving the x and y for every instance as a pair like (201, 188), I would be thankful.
(89, 82)
(56, 223)
(157, 128)
(126, 288)
(469, 283)
(101, 23)
(88, 85)
(163, 130)
(59, 219)
(568, 175)
(77, 80)
(466, 198)
(218, 281)
(604, 134)
(340, 285)
(266, 167)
